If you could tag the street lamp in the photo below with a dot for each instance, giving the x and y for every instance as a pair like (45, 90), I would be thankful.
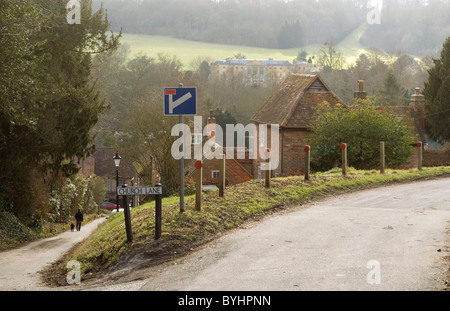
(117, 159)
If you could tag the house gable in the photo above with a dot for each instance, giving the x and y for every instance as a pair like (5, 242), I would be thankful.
(319, 87)
(294, 103)
(305, 113)
(283, 100)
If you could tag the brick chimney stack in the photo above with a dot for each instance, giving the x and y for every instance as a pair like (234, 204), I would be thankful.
(417, 102)
(211, 126)
(360, 94)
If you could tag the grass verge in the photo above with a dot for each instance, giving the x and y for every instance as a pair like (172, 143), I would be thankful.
(108, 248)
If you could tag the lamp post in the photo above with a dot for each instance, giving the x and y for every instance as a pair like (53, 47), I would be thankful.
(117, 159)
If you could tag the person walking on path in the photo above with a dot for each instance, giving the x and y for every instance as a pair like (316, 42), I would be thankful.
(79, 219)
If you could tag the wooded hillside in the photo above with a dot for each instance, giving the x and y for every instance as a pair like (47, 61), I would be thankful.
(406, 26)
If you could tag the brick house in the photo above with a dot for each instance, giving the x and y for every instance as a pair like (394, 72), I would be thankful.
(101, 164)
(293, 107)
(237, 171)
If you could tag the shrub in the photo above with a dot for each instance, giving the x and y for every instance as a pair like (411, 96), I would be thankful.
(12, 231)
(67, 199)
(362, 127)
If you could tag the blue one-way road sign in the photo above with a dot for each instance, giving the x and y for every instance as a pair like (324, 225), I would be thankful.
(180, 101)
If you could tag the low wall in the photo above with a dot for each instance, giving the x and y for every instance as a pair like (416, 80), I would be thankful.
(436, 157)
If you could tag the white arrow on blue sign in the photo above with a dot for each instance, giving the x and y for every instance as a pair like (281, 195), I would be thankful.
(180, 101)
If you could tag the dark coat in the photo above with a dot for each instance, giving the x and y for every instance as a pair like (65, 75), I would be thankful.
(79, 216)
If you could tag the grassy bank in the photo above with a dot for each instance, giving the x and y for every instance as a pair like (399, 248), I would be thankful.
(182, 232)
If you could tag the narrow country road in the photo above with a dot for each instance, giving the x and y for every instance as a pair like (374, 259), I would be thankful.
(392, 238)
(19, 267)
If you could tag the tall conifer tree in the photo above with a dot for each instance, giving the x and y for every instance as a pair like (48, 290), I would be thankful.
(437, 94)
(48, 105)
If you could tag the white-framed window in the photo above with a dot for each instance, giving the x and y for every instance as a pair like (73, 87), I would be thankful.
(215, 174)
(197, 139)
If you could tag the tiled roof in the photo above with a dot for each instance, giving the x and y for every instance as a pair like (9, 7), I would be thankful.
(292, 105)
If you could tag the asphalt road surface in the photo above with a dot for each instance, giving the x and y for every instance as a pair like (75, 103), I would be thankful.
(391, 239)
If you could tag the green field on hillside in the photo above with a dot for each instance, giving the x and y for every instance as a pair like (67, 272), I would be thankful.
(187, 50)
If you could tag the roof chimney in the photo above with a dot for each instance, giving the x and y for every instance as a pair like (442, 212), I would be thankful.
(417, 102)
(361, 94)
(361, 85)
(417, 97)
(211, 126)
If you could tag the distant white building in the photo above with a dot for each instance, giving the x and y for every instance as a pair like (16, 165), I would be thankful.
(259, 72)
(304, 67)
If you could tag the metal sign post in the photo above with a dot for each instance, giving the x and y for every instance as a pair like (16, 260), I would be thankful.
(182, 173)
(178, 102)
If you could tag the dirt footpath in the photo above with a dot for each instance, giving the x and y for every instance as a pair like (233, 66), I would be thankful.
(19, 267)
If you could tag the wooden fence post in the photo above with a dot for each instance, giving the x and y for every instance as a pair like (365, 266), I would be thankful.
(198, 185)
(420, 146)
(307, 161)
(222, 175)
(268, 169)
(344, 159)
(382, 158)
(158, 214)
(127, 216)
